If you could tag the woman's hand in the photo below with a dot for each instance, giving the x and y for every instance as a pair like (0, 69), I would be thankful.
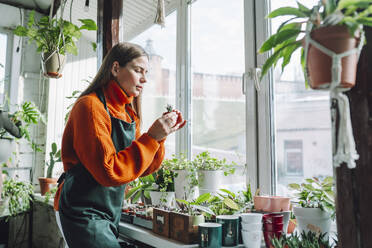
(168, 123)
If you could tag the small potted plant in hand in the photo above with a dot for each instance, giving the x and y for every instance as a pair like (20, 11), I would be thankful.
(48, 181)
(316, 205)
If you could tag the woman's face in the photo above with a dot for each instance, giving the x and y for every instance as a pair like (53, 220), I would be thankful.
(132, 77)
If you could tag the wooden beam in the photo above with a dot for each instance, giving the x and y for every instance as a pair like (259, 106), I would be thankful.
(354, 186)
(109, 18)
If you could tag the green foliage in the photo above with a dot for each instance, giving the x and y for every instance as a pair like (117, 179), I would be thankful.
(315, 193)
(50, 35)
(24, 117)
(140, 187)
(20, 195)
(351, 13)
(203, 161)
(195, 207)
(50, 194)
(164, 179)
(224, 203)
(304, 240)
(54, 157)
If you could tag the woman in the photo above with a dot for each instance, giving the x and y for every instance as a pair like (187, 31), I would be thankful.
(102, 149)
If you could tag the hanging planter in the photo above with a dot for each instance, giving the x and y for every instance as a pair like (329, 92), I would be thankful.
(55, 38)
(53, 64)
(319, 65)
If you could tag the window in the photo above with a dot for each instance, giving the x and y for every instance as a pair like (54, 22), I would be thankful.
(160, 90)
(303, 144)
(292, 158)
(217, 65)
(4, 67)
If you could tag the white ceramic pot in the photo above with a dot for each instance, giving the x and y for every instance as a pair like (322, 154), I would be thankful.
(181, 186)
(312, 219)
(156, 196)
(210, 181)
(7, 146)
(251, 217)
(252, 239)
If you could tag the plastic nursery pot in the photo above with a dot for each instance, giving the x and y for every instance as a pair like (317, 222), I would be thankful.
(273, 218)
(273, 227)
(319, 65)
(271, 203)
(46, 183)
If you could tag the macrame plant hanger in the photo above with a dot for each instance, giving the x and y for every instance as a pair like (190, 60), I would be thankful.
(47, 57)
(345, 145)
(160, 14)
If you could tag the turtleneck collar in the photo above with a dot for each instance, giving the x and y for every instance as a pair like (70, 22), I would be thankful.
(115, 95)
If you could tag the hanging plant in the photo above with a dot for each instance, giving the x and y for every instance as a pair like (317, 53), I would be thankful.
(54, 38)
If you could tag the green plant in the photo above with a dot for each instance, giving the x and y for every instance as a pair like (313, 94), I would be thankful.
(195, 207)
(225, 202)
(203, 161)
(304, 240)
(140, 187)
(54, 157)
(315, 193)
(20, 195)
(55, 34)
(164, 179)
(50, 194)
(287, 39)
(24, 117)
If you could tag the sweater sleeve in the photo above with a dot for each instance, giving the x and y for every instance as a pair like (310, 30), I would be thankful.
(92, 144)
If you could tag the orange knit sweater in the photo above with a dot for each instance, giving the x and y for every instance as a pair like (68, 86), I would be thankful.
(87, 140)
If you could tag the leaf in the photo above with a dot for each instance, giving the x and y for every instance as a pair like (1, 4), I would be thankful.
(287, 53)
(89, 24)
(183, 201)
(228, 192)
(54, 148)
(278, 38)
(231, 204)
(343, 4)
(294, 186)
(204, 209)
(132, 191)
(202, 198)
(20, 31)
(284, 11)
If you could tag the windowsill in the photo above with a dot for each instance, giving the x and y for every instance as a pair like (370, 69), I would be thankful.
(40, 198)
(150, 238)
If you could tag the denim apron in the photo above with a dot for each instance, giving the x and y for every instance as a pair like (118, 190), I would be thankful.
(90, 212)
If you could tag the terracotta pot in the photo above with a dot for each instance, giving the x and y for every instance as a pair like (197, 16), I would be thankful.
(319, 65)
(271, 203)
(46, 183)
(291, 226)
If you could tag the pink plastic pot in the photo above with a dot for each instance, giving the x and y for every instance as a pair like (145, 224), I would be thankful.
(271, 203)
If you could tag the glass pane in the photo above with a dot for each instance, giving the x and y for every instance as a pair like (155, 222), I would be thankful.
(217, 59)
(3, 48)
(303, 143)
(160, 89)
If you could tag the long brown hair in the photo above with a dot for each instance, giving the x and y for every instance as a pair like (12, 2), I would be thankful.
(123, 53)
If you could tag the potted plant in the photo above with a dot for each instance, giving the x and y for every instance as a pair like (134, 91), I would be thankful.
(211, 171)
(303, 240)
(54, 38)
(332, 27)
(26, 115)
(139, 189)
(162, 191)
(16, 197)
(185, 176)
(47, 182)
(184, 223)
(316, 204)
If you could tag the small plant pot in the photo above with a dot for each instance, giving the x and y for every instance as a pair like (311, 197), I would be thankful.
(167, 197)
(312, 219)
(184, 227)
(181, 187)
(53, 64)
(319, 65)
(210, 181)
(291, 226)
(46, 184)
(271, 203)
